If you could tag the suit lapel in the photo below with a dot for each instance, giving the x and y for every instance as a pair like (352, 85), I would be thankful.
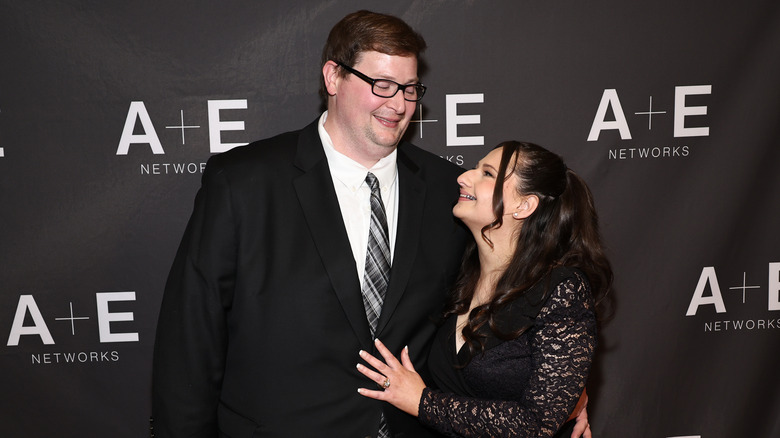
(411, 196)
(314, 188)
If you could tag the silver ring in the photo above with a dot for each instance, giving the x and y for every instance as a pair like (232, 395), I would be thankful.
(386, 384)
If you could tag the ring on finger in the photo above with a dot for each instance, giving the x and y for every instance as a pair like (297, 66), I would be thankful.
(386, 383)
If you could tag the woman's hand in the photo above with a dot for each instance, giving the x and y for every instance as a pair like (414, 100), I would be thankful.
(402, 386)
(581, 426)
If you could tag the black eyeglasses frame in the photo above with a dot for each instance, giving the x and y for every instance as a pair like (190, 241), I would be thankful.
(419, 88)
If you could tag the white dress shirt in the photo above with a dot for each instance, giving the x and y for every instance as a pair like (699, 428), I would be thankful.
(354, 195)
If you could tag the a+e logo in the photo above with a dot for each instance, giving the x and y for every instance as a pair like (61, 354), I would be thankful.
(609, 99)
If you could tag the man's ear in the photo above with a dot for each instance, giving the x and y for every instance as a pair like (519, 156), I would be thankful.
(330, 75)
(526, 207)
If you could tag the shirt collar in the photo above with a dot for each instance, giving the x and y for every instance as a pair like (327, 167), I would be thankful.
(350, 172)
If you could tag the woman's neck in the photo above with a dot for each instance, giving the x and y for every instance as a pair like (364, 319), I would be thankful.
(494, 256)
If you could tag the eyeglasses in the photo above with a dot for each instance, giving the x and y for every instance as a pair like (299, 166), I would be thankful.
(387, 88)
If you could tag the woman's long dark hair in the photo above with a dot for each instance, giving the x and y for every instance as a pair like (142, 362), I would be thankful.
(562, 231)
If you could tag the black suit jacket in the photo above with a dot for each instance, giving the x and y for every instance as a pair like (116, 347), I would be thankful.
(262, 317)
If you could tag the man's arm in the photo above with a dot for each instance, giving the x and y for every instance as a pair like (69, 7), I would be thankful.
(191, 341)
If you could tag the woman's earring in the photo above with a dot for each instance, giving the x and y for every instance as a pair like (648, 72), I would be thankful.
(514, 215)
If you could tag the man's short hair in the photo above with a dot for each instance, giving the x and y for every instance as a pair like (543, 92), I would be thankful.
(365, 31)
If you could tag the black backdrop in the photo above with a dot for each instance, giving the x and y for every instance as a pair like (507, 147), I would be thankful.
(669, 110)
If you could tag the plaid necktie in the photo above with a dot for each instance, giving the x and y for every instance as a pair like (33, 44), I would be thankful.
(377, 271)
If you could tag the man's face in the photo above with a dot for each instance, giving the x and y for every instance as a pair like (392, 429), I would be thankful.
(364, 126)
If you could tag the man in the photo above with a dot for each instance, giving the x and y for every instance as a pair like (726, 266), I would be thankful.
(263, 314)
(271, 294)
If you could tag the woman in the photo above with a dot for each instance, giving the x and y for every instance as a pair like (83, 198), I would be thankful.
(513, 353)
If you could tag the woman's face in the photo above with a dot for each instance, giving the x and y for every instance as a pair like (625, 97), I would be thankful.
(475, 203)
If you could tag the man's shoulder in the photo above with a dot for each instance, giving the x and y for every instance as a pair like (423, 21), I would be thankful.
(260, 150)
(427, 162)
(274, 151)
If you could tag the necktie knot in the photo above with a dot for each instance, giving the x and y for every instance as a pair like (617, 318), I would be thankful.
(373, 183)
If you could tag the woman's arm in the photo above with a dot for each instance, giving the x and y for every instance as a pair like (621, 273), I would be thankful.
(563, 345)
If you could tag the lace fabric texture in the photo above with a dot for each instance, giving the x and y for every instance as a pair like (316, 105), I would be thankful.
(528, 386)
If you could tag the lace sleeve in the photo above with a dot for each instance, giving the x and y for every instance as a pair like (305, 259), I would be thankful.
(563, 343)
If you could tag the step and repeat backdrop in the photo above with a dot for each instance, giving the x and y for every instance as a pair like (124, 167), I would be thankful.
(670, 110)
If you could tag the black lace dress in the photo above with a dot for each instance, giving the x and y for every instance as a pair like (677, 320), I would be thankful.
(526, 387)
